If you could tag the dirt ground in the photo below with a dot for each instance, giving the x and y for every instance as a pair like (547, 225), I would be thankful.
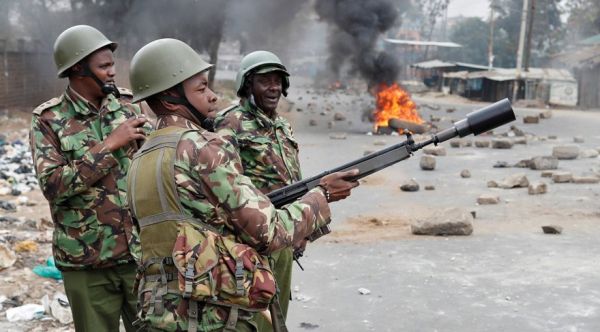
(371, 273)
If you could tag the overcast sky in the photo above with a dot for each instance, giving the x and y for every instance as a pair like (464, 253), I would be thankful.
(468, 8)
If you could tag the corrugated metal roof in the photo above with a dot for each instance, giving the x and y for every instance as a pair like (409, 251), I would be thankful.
(421, 43)
(588, 56)
(443, 64)
(509, 74)
(432, 64)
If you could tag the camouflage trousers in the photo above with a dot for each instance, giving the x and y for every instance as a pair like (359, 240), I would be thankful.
(99, 297)
(281, 264)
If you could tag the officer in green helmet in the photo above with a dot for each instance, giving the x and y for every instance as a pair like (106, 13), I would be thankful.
(205, 228)
(81, 146)
(265, 143)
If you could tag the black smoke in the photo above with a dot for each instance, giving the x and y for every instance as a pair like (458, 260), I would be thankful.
(355, 28)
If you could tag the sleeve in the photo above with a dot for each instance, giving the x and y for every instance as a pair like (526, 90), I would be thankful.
(60, 179)
(227, 126)
(252, 216)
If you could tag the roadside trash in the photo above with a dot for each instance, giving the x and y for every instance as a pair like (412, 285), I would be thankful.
(25, 312)
(60, 308)
(364, 291)
(48, 271)
(26, 245)
(7, 257)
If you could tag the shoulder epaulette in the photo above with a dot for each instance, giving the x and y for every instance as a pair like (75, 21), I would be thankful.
(50, 103)
(125, 92)
(228, 109)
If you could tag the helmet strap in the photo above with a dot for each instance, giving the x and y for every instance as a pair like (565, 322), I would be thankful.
(106, 88)
(206, 123)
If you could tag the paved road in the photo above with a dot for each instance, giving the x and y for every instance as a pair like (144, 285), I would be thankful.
(507, 276)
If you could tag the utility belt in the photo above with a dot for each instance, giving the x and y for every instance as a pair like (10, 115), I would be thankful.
(152, 287)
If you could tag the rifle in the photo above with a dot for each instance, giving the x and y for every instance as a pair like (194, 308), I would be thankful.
(476, 122)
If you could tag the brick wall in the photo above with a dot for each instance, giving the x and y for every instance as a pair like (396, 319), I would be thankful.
(28, 79)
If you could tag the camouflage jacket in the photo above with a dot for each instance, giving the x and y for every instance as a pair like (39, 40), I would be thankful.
(83, 182)
(266, 146)
(211, 187)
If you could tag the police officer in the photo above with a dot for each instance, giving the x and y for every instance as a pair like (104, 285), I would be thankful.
(81, 146)
(265, 143)
(187, 190)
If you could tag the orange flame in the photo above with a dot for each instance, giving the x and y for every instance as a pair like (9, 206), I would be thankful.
(393, 102)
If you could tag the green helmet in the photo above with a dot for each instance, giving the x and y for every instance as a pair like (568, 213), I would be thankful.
(161, 65)
(260, 62)
(75, 43)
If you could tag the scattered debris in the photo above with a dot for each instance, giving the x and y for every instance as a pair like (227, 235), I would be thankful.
(430, 106)
(562, 177)
(488, 199)
(552, 229)
(502, 143)
(588, 153)
(482, 143)
(427, 162)
(308, 326)
(364, 291)
(531, 119)
(565, 152)
(578, 139)
(435, 150)
(465, 174)
(7, 257)
(452, 221)
(537, 188)
(585, 179)
(543, 163)
(27, 245)
(410, 186)
(518, 180)
(340, 136)
(460, 143)
(339, 117)
(25, 312)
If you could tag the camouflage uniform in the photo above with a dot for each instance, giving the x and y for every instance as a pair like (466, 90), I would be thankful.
(85, 184)
(211, 189)
(269, 156)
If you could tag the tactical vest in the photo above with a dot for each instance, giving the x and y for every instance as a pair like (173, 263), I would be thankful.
(183, 256)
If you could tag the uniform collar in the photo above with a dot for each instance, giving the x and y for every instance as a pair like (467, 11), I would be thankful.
(175, 120)
(261, 117)
(85, 107)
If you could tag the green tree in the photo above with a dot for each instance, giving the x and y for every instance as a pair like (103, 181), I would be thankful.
(472, 34)
(547, 33)
(583, 20)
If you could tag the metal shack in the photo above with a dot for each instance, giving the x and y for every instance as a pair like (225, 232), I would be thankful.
(547, 85)
(584, 60)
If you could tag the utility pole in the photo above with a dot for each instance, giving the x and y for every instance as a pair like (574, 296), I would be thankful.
(529, 33)
(491, 38)
(520, 50)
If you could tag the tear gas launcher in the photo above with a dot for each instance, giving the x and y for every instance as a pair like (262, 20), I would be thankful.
(477, 122)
